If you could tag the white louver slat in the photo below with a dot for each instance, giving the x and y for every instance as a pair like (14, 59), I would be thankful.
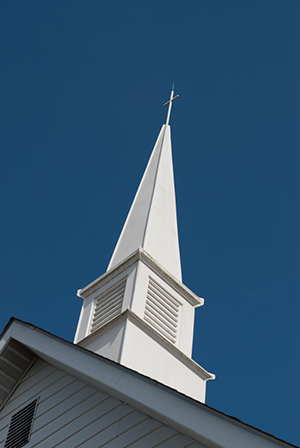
(20, 426)
(162, 311)
(108, 304)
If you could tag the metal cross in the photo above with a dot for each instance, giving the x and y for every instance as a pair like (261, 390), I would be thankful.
(170, 104)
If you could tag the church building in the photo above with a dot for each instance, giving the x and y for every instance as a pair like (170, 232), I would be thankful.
(128, 380)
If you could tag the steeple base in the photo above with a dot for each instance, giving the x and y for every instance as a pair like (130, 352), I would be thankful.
(140, 316)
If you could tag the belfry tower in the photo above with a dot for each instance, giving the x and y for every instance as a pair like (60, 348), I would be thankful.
(139, 313)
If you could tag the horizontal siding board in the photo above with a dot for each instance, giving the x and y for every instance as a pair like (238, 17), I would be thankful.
(122, 419)
(133, 434)
(38, 366)
(63, 388)
(78, 399)
(95, 433)
(3, 436)
(150, 440)
(196, 445)
(34, 390)
(72, 413)
(63, 427)
(80, 415)
(178, 441)
(37, 382)
(15, 403)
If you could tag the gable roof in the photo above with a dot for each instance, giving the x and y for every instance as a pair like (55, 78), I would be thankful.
(24, 341)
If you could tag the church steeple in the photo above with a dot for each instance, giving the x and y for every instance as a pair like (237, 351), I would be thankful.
(139, 313)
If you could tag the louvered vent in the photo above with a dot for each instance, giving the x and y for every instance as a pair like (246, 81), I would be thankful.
(162, 311)
(108, 304)
(20, 426)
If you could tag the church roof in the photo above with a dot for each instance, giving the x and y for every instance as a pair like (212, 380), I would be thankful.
(21, 343)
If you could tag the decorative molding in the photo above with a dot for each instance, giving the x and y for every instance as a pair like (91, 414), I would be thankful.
(158, 337)
(145, 258)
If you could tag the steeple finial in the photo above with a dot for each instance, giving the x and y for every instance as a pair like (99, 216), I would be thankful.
(170, 104)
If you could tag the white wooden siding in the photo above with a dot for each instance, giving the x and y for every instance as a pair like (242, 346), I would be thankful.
(177, 441)
(71, 413)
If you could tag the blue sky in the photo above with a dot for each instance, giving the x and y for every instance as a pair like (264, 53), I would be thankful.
(82, 89)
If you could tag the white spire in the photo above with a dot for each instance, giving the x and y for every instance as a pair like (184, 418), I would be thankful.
(152, 220)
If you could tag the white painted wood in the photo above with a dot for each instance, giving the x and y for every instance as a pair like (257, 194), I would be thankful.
(67, 386)
(134, 433)
(83, 398)
(142, 345)
(147, 398)
(39, 365)
(36, 388)
(32, 383)
(72, 413)
(31, 380)
(151, 439)
(110, 427)
(42, 377)
(3, 432)
(24, 395)
(72, 421)
(197, 445)
(177, 441)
